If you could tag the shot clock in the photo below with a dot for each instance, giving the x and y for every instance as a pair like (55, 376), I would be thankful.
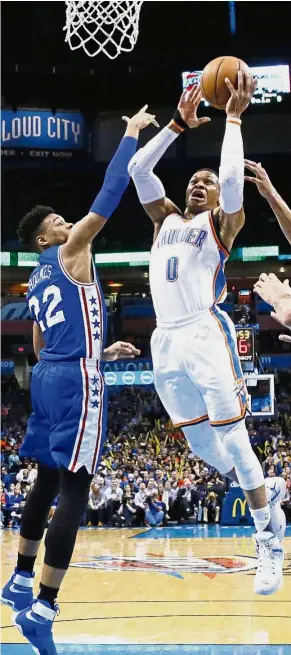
(246, 348)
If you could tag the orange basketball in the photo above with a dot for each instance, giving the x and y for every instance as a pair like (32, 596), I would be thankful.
(213, 86)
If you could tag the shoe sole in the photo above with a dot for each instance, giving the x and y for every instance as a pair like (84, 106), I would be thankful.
(268, 592)
(9, 603)
(19, 628)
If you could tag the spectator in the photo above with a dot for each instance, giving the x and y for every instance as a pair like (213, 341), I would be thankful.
(5, 477)
(16, 514)
(13, 461)
(211, 509)
(286, 505)
(113, 496)
(126, 514)
(154, 514)
(28, 474)
(140, 503)
(96, 505)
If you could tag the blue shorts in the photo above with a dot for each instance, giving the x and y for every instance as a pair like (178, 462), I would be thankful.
(68, 423)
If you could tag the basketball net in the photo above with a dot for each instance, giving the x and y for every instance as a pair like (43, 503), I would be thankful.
(110, 27)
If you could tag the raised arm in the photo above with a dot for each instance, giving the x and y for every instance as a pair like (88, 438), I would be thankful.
(149, 188)
(268, 191)
(231, 172)
(115, 183)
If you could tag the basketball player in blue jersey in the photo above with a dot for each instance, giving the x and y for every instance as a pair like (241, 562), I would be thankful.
(66, 429)
(196, 365)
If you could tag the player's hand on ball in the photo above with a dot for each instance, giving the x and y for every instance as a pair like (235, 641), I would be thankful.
(120, 350)
(261, 179)
(188, 105)
(141, 120)
(240, 97)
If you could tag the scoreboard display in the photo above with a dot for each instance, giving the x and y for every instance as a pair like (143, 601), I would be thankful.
(246, 347)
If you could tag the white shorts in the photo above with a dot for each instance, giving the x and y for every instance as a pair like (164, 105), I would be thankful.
(197, 371)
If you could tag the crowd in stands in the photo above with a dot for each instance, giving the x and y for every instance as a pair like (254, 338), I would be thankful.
(147, 475)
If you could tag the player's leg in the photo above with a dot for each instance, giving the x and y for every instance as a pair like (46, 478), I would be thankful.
(18, 591)
(62, 531)
(184, 403)
(206, 444)
(221, 383)
(177, 392)
(77, 421)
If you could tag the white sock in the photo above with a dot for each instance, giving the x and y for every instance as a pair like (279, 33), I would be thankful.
(261, 517)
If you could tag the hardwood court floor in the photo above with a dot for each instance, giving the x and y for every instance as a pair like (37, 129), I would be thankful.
(186, 588)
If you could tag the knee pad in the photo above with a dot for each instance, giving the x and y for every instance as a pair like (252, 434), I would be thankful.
(249, 472)
(205, 443)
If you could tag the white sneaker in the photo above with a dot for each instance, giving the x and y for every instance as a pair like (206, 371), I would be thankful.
(269, 575)
(276, 491)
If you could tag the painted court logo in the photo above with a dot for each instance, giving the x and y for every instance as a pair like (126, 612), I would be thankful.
(175, 566)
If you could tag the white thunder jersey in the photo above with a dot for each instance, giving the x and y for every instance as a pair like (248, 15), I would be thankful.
(186, 269)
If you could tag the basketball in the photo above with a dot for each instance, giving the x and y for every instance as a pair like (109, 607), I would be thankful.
(213, 86)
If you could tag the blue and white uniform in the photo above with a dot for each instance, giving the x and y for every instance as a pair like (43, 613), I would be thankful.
(197, 369)
(67, 425)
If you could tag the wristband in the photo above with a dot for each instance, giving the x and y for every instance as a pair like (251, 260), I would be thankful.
(235, 121)
(178, 122)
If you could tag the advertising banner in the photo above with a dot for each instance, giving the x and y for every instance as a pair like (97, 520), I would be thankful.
(42, 135)
(128, 378)
(235, 510)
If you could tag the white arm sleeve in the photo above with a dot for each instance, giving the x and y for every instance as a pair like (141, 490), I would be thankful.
(140, 168)
(231, 171)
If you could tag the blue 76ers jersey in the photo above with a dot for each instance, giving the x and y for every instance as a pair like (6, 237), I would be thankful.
(70, 314)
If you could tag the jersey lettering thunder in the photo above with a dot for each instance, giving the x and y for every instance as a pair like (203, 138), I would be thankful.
(71, 315)
(186, 269)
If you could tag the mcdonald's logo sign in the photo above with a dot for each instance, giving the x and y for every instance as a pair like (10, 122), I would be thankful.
(243, 505)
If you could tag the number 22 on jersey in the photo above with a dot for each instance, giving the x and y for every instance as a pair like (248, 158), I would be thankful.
(50, 317)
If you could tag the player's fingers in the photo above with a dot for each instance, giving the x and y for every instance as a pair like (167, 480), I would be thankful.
(240, 82)
(129, 347)
(263, 277)
(197, 96)
(286, 283)
(252, 179)
(248, 81)
(274, 315)
(125, 118)
(285, 337)
(255, 83)
(193, 92)
(183, 96)
(204, 119)
(254, 167)
(151, 118)
(274, 277)
(257, 288)
(143, 109)
(249, 162)
(229, 86)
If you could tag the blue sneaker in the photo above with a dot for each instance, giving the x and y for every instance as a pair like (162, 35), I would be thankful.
(18, 593)
(35, 624)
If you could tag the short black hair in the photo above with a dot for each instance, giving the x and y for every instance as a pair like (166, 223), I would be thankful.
(208, 170)
(29, 224)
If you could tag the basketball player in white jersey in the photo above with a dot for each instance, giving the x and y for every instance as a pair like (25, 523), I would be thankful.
(196, 365)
